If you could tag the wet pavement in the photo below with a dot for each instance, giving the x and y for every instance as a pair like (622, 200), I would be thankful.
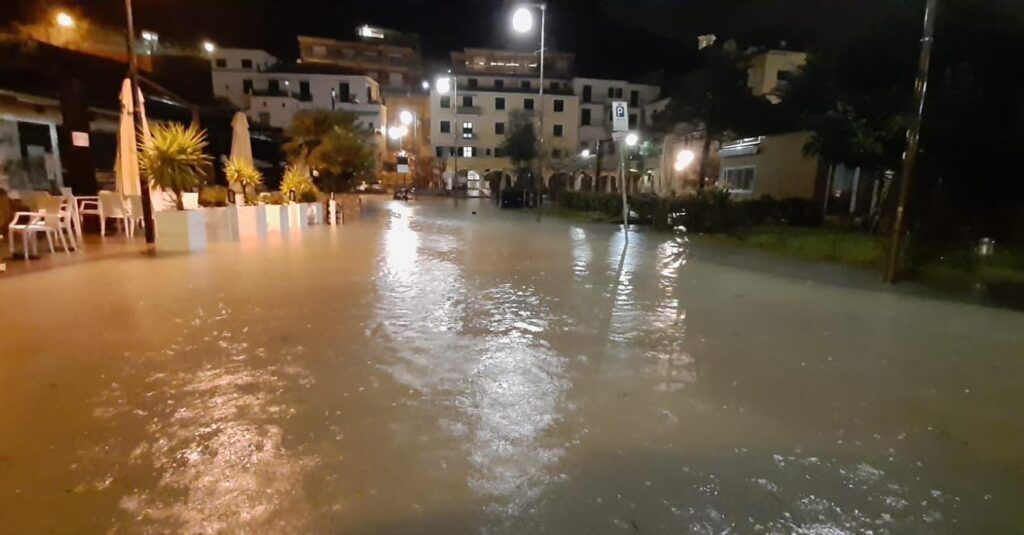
(428, 370)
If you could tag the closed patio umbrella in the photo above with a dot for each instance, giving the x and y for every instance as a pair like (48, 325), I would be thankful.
(241, 145)
(126, 168)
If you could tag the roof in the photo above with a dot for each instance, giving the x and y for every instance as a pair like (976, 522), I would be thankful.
(315, 67)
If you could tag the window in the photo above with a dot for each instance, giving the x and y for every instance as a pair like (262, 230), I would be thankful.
(473, 83)
(246, 63)
(467, 102)
(525, 84)
(527, 103)
(265, 117)
(588, 93)
(556, 153)
(344, 92)
(221, 62)
(499, 128)
(499, 83)
(446, 127)
(273, 86)
(488, 151)
(499, 103)
(440, 152)
(618, 92)
(558, 130)
(467, 130)
(247, 86)
(304, 87)
(559, 105)
(740, 179)
(321, 50)
(369, 94)
(634, 98)
(611, 92)
(446, 102)
(585, 116)
(467, 152)
(555, 86)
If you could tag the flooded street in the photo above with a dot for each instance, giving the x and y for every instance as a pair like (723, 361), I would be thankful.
(431, 370)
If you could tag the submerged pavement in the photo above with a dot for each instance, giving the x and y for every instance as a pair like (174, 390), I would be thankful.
(431, 370)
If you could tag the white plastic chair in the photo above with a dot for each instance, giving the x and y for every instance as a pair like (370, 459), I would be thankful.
(34, 223)
(57, 205)
(135, 212)
(112, 206)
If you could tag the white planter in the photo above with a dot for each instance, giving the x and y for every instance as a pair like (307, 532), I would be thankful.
(298, 215)
(274, 218)
(283, 217)
(221, 224)
(318, 213)
(180, 231)
(252, 221)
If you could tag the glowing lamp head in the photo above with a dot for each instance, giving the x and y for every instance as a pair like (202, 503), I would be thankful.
(632, 139)
(405, 117)
(397, 132)
(209, 47)
(522, 20)
(426, 85)
(683, 159)
(585, 153)
(443, 85)
(64, 20)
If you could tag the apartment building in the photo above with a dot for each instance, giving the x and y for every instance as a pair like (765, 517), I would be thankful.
(768, 71)
(392, 58)
(470, 126)
(271, 92)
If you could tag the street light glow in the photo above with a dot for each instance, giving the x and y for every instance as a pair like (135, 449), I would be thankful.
(426, 85)
(443, 85)
(64, 20)
(397, 132)
(209, 47)
(405, 117)
(683, 159)
(632, 139)
(585, 153)
(522, 20)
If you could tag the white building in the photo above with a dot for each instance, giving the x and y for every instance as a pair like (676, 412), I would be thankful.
(469, 125)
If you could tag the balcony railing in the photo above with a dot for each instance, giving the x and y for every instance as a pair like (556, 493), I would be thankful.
(297, 95)
(469, 110)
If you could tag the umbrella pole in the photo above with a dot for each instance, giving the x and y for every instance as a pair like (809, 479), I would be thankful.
(133, 74)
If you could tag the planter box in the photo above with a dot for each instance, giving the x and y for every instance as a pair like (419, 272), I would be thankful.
(180, 231)
(298, 214)
(318, 213)
(283, 217)
(274, 223)
(221, 224)
(252, 221)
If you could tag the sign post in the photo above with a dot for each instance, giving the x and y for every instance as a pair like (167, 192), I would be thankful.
(620, 125)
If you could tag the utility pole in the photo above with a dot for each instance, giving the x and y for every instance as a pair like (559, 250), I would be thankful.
(133, 74)
(458, 128)
(913, 136)
(597, 170)
(540, 162)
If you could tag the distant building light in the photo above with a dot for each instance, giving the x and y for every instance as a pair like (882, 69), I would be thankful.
(209, 47)
(64, 20)
(370, 32)
(704, 41)
(151, 37)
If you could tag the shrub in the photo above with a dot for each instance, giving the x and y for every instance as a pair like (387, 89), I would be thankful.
(273, 198)
(212, 196)
(173, 159)
(243, 175)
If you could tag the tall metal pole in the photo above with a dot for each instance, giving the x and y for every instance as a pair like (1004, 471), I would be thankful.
(540, 160)
(913, 136)
(622, 185)
(133, 74)
(457, 127)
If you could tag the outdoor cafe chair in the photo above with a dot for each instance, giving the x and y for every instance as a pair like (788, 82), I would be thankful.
(135, 213)
(109, 205)
(33, 223)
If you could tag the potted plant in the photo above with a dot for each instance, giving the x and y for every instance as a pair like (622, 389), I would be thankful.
(173, 160)
(296, 181)
(251, 218)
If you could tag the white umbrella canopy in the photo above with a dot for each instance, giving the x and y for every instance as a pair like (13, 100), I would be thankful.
(241, 145)
(126, 167)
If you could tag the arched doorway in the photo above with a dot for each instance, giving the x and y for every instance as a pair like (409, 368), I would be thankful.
(558, 183)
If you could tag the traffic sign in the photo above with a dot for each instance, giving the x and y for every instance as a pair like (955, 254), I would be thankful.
(620, 116)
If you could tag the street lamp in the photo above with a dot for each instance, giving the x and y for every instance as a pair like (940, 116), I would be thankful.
(64, 20)
(405, 117)
(632, 139)
(683, 160)
(445, 85)
(426, 85)
(522, 22)
(209, 47)
(398, 132)
(585, 153)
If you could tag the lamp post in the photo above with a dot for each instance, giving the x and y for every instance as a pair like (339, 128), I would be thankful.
(445, 85)
(522, 22)
(630, 140)
(133, 75)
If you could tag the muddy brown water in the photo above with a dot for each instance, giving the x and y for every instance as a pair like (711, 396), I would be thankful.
(427, 370)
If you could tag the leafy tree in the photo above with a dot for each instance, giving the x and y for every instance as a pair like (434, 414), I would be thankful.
(717, 99)
(173, 158)
(521, 144)
(332, 144)
(243, 175)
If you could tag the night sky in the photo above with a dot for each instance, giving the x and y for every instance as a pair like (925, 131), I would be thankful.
(620, 38)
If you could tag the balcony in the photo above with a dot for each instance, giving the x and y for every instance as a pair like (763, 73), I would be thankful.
(469, 110)
(301, 97)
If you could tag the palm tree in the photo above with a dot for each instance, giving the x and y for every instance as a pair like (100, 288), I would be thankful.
(296, 178)
(244, 175)
(173, 159)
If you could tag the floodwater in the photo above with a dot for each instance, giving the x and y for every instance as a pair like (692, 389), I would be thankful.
(428, 370)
